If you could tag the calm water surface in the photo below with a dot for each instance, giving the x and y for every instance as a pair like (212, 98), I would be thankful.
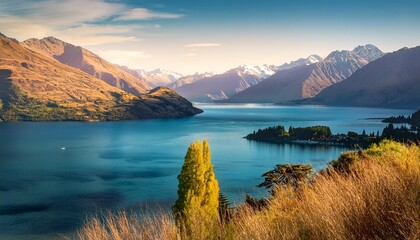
(45, 190)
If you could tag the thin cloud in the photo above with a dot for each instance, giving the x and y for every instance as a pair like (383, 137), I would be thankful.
(87, 35)
(202, 45)
(24, 19)
(61, 13)
(97, 40)
(74, 21)
(146, 14)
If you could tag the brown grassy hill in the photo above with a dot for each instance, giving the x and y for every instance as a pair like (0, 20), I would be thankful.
(88, 62)
(35, 87)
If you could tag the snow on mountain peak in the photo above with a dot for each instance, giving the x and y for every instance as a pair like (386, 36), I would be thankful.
(158, 72)
(314, 58)
(260, 71)
(300, 62)
(369, 52)
(366, 53)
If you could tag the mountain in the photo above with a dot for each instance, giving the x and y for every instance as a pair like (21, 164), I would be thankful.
(307, 80)
(160, 77)
(154, 78)
(35, 87)
(88, 62)
(222, 86)
(301, 62)
(189, 79)
(391, 81)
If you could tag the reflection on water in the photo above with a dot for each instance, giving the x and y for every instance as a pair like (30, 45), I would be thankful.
(45, 189)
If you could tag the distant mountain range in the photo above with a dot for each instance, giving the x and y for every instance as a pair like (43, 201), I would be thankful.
(222, 86)
(189, 79)
(154, 78)
(391, 81)
(307, 80)
(48, 80)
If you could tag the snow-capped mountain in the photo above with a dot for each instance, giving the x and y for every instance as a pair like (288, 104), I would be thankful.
(300, 62)
(189, 79)
(347, 62)
(160, 77)
(222, 86)
(154, 78)
(369, 52)
(363, 54)
(263, 71)
(307, 80)
(391, 81)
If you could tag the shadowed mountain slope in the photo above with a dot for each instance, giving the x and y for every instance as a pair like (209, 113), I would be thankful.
(391, 81)
(308, 80)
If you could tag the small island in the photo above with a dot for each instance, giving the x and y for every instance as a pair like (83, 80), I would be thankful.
(413, 120)
(322, 135)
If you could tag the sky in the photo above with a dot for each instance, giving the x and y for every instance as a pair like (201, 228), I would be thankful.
(191, 36)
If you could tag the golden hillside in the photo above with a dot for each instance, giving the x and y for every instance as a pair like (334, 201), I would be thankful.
(88, 62)
(36, 87)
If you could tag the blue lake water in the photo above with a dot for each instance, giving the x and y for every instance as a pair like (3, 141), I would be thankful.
(46, 190)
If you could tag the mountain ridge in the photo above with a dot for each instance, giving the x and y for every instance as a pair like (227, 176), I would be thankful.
(390, 81)
(222, 86)
(305, 81)
(154, 78)
(87, 61)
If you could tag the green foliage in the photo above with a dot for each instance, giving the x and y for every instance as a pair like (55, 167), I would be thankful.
(312, 132)
(300, 133)
(400, 134)
(269, 133)
(198, 189)
(288, 175)
(401, 154)
(352, 134)
(346, 161)
(415, 119)
(225, 209)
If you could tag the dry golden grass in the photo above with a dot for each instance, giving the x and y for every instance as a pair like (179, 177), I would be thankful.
(378, 199)
(124, 226)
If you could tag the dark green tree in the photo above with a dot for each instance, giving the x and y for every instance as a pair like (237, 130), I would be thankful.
(225, 209)
(288, 175)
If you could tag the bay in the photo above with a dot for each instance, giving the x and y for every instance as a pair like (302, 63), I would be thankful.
(53, 174)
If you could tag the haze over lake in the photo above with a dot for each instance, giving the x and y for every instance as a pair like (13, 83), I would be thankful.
(54, 173)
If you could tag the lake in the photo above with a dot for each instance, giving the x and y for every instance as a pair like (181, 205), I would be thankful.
(53, 174)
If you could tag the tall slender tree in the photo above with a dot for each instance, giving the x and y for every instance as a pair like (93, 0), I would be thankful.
(198, 189)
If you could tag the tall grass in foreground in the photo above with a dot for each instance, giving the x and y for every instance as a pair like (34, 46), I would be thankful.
(377, 198)
(127, 226)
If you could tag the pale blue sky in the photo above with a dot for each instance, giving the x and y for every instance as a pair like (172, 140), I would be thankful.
(197, 36)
